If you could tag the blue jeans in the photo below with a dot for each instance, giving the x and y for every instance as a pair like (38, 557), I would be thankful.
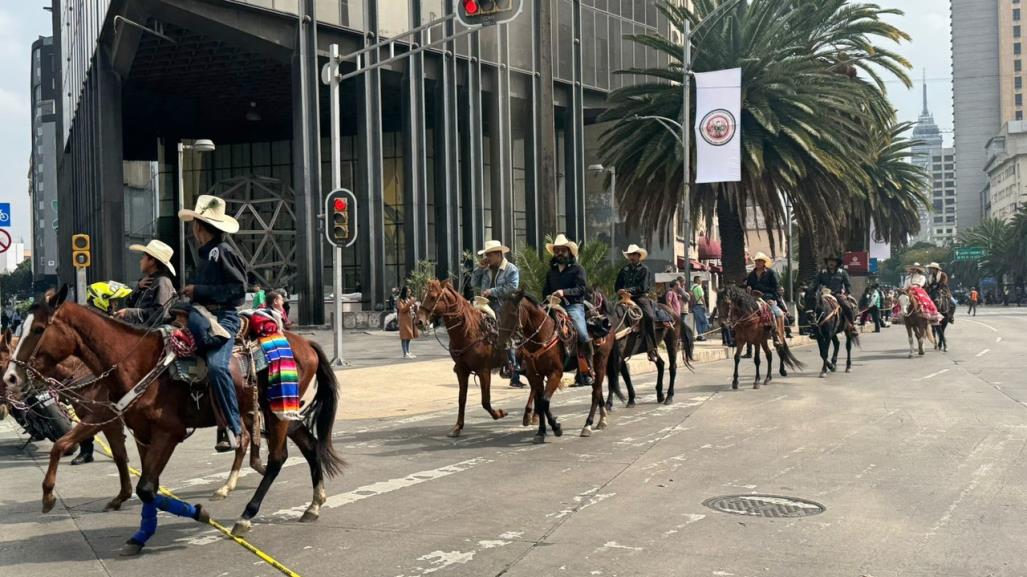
(774, 308)
(577, 314)
(702, 322)
(218, 353)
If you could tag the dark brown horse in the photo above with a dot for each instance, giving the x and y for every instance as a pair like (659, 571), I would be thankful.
(469, 346)
(826, 319)
(543, 355)
(744, 315)
(159, 417)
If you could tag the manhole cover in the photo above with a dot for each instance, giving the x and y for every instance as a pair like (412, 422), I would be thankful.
(764, 506)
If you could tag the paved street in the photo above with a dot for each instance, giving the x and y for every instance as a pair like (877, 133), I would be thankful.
(919, 463)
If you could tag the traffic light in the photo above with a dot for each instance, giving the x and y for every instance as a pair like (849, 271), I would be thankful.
(487, 12)
(340, 228)
(80, 251)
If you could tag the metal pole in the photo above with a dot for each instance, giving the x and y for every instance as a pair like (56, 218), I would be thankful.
(80, 286)
(788, 242)
(181, 223)
(616, 213)
(686, 144)
(336, 120)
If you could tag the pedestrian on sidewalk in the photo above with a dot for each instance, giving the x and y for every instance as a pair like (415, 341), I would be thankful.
(406, 308)
(702, 322)
(974, 296)
(259, 297)
(874, 306)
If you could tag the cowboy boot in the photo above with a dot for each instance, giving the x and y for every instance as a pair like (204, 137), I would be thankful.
(586, 351)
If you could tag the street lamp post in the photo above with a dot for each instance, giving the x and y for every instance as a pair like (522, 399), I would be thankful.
(613, 203)
(200, 145)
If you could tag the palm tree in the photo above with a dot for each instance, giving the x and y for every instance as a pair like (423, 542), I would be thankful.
(801, 118)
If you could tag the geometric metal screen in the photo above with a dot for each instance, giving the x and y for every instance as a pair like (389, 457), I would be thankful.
(267, 227)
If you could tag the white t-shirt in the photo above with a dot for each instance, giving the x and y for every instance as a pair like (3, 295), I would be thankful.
(916, 279)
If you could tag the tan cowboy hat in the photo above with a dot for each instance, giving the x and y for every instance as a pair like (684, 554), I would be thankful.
(915, 266)
(561, 240)
(934, 265)
(635, 249)
(493, 246)
(761, 256)
(211, 210)
(480, 301)
(157, 250)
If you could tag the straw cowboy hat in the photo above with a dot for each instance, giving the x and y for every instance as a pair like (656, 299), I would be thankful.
(493, 246)
(157, 250)
(211, 210)
(761, 256)
(635, 249)
(915, 266)
(561, 240)
(934, 265)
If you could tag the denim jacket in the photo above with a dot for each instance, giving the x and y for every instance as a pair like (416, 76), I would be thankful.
(506, 282)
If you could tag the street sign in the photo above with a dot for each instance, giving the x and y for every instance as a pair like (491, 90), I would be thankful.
(5, 241)
(5, 214)
(968, 253)
(474, 13)
(856, 262)
(874, 265)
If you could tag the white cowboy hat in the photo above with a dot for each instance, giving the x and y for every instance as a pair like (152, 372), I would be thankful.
(635, 249)
(493, 246)
(934, 265)
(561, 240)
(157, 250)
(211, 210)
(761, 256)
(915, 266)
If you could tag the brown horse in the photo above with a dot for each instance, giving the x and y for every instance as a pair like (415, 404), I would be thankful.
(86, 399)
(742, 313)
(542, 354)
(159, 416)
(469, 346)
(916, 320)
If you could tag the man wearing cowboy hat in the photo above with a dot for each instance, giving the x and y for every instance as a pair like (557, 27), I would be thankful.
(938, 286)
(636, 279)
(765, 280)
(567, 281)
(495, 279)
(836, 278)
(156, 289)
(219, 285)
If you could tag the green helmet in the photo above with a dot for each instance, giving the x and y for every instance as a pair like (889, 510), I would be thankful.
(102, 294)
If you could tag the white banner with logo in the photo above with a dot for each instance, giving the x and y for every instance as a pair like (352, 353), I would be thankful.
(718, 111)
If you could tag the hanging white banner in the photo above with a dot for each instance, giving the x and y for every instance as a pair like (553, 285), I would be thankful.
(718, 111)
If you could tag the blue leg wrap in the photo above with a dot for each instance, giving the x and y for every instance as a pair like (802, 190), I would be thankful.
(175, 507)
(148, 523)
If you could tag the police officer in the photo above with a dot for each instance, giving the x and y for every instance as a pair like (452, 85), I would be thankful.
(219, 285)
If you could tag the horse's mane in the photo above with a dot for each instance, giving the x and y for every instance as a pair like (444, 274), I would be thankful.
(531, 299)
(741, 299)
(469, 315)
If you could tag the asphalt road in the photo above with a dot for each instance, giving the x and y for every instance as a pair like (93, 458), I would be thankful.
(918, 462)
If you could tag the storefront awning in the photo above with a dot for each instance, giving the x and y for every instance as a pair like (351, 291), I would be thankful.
(708, 249)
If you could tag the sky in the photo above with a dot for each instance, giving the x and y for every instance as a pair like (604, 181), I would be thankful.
(22, 21)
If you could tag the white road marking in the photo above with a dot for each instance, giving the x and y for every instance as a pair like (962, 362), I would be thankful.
(932, 375)
(443, 559)
(383, 487)
(998, 339)
(978, 475)
(222, 477)
(984, 352)
(987, 326)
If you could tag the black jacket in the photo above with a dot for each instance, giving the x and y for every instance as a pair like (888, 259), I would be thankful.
(572, 281)
(220, 276)
(636, 279)
(768, 284)
(146, 305)
(836, 281)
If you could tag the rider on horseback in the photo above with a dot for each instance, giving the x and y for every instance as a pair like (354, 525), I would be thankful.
(155, 290)
(765, 280)
(496, 278)
(836, 279)
(938, 288)
(636, 280)
(219, 286)
(567, 280)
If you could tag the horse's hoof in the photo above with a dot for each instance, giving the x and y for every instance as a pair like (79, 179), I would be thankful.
(609, 406)
(823, 375)
(586, 431)
(538, 439)
(526, 420)
(756, 385)
(631, 404)
(734, 385)
(784, 373)
(602, 425)
(848, 369)
(500, 413)
(114, 505)
(669, 401)
(242, 527)
(220, 494)
(131, 549)
(309, 517)
(558, 430)
(48, 503)
(921, 353)
(454, 433)
(202, 515)
(659, 398)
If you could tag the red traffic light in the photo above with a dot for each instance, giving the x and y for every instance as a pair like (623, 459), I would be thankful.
(340, 204)
(471, 7)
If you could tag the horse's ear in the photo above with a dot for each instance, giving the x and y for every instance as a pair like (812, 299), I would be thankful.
(58, 298)
(448, 283)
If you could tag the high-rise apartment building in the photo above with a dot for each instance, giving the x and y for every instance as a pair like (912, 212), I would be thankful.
(43, 166)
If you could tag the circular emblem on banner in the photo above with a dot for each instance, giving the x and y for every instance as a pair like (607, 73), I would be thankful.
(718, 127)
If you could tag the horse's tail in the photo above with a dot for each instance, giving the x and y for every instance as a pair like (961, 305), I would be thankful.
(688, 346)
(327, 399)
(789, 359)
(613, 371)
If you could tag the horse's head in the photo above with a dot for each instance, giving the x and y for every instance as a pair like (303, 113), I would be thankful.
(45, 342)
(7, 345)
(437, 301)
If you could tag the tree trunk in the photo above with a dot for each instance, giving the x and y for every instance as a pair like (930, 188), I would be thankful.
(732, 241)
(547, 185)
(808, 256)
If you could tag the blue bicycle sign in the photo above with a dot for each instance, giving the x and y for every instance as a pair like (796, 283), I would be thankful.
(5, 214)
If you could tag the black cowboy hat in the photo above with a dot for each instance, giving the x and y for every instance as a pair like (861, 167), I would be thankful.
(837, 259)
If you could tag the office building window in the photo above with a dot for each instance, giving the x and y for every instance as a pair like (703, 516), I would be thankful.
(1016, 14)
(1019, 115)
(1018, 82)
(1016, 31)
(1016, 48)
(1018, 65)
(1019, 99)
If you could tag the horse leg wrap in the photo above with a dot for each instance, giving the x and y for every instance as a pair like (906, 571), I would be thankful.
(176, 507)
(147, 524)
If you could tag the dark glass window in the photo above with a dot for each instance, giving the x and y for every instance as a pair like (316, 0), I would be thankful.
(588, 46)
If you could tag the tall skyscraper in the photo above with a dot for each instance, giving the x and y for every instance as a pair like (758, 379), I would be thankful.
(939, 224)
(976, 97)
(43, 168)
